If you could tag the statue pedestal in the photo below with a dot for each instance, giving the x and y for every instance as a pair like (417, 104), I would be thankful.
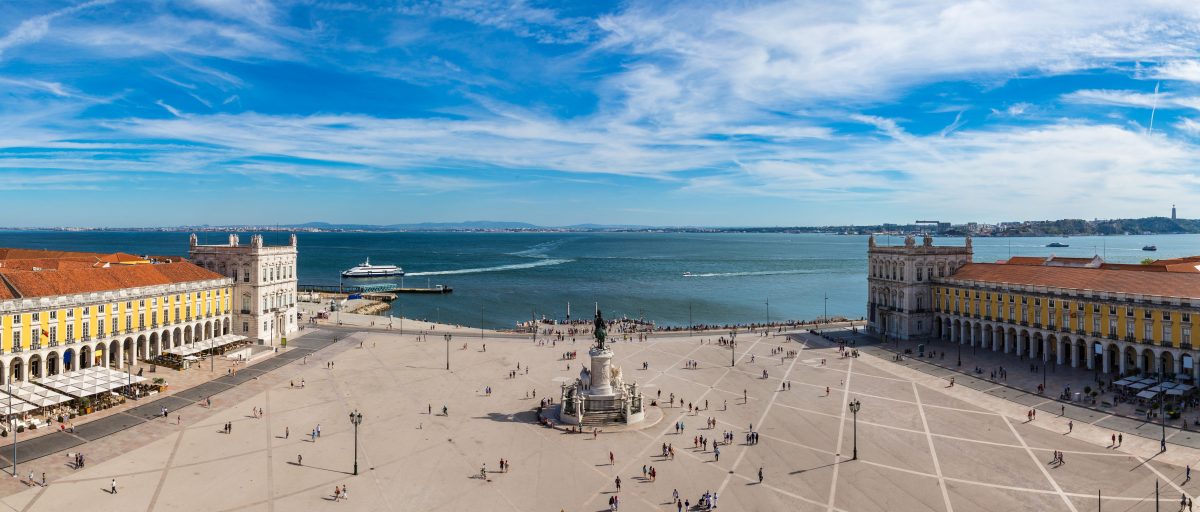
(601, 384)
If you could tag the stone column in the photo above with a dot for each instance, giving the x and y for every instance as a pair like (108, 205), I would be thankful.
(601, 362)
(1090, 355)
(1120, 359)
(1059, 353)
(1178, 364)
(1008, 342)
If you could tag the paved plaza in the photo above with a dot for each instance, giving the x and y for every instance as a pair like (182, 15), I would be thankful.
(922, 445)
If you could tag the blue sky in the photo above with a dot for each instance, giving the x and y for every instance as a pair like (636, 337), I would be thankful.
(692, 113)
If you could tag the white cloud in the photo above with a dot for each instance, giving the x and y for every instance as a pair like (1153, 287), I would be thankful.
(1185, 70)
(1135, 99)
(174, 111)
(35, 28)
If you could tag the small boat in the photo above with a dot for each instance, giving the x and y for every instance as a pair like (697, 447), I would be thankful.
(688, 274)
(368, 270)
(1150, 248)
(1057, 244)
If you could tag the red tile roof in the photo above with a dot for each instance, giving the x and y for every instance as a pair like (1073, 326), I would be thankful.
(1167, 284)
(85, 280)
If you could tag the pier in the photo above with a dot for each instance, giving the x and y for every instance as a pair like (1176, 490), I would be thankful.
(372, 288)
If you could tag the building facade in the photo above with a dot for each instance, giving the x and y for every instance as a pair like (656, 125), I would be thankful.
(899, 280)
(264, 284)
(66, 311)
(1111, 318)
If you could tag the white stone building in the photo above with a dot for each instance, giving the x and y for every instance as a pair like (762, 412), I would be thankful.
(264, 284)
(900, 298)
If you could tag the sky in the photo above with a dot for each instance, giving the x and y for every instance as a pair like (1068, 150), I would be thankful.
(127, 113)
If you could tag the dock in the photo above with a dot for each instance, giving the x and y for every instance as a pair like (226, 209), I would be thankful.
(373, 288)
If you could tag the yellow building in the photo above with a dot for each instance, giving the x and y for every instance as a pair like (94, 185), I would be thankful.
(1113, 318)
(63, 311)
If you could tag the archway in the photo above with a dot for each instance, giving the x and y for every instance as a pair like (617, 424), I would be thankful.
(127, 350)
(114, 354)
(1167, 364)
(16, 370)
(69, 360)
(225, 327)
(1146, 362)
(35, 366)
(53, 363)
(86, 357)
(176, 339)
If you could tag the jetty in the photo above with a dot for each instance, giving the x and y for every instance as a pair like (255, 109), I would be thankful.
(372, 288)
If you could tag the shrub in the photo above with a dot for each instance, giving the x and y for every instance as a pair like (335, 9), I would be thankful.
(20, 428)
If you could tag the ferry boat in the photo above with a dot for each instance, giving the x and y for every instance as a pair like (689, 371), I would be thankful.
(1150, 248)
(368, 270)
(1056, 244)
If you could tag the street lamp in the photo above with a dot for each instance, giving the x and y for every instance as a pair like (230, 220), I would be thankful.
(356, 419)
(855, 405)
(1162, 404)
(447, 337)
(960, 352)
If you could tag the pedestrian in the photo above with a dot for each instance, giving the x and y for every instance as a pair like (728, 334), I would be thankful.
(43, 478)
(618, 484)
(1070, 426)
(286, 432)
(337, 493)
(299, 460)
(1120, 439)
(760, 475)
(113, 488)
(1188, 473)
(612, 461)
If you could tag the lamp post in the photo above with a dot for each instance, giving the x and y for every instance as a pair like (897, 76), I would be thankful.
(12, 425)
(960, 352)
(855, 405)
(825, 317)
(356, 419)
(768, 311)
(732, 349)
(447, 337)
(1162, 403)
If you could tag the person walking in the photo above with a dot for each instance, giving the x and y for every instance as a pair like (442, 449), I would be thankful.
(618, 481)
(760, 475)
(299, 460)
(113, 488)
(286, 432)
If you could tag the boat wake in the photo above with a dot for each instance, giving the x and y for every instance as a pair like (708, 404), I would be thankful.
(757, 273)
(539, 250)
(501, 268)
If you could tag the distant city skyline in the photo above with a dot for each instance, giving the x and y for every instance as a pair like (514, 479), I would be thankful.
(649, 113)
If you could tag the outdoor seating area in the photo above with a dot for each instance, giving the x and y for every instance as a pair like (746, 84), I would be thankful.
(90, 381)
(178, 357)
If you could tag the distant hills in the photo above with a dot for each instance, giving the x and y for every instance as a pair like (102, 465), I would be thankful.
(1061, 227)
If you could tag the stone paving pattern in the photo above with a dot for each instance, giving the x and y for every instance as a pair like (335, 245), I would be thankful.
(922, 445)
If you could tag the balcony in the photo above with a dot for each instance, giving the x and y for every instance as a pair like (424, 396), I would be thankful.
(1185, 346)
(1037, 325)
(1168, 344)
(85, 338)
(1112, 336)
(1095, 334)
(1148, 341)
(987, 317)
(1130, 338)
(1024, 323)
(1081, 332)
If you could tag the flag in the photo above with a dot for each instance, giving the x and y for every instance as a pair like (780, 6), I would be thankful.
(45, 333)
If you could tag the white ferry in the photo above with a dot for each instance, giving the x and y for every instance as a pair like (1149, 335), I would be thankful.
(368, 270)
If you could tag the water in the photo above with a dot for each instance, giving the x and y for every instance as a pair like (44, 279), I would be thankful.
(504, 278)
